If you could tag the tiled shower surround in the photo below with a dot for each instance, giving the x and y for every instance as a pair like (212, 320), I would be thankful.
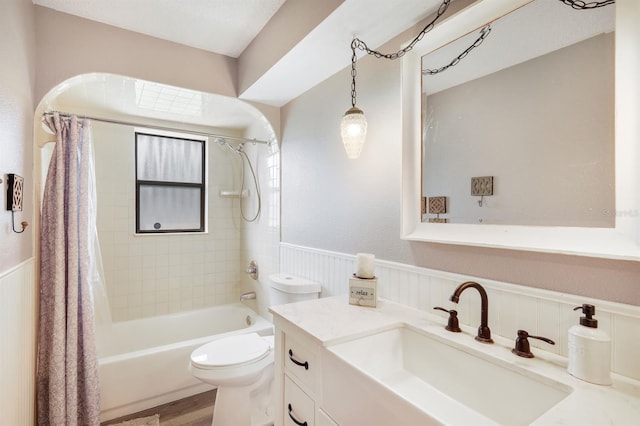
(149, 275)
(511, 307)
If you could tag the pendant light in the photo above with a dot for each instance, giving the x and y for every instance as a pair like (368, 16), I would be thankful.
(353, 127)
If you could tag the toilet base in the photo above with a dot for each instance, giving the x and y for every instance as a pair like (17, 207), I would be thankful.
(230, 408)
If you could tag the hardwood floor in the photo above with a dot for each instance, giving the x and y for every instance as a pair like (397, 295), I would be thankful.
(196, 410)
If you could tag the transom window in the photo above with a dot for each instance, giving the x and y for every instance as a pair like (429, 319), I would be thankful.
(170, 184)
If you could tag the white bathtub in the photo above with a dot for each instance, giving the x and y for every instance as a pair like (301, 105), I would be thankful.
(143, 363)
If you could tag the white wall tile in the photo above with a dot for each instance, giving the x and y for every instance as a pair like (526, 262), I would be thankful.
(136, 264)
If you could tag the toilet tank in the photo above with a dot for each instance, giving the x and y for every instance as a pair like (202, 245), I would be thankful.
(286, 288)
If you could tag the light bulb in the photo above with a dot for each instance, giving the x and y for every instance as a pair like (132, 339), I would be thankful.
(353, 129)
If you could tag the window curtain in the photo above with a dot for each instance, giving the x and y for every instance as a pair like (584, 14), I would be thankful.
(67, 371)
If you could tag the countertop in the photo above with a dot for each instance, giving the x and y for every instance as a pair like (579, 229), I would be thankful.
(333, 320)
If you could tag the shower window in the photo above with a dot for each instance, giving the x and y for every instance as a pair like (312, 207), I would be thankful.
(170, 184)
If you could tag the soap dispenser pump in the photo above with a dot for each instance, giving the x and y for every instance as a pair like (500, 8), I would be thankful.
(589, 349)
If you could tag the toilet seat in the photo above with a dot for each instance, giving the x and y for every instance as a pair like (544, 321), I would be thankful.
(231, 351)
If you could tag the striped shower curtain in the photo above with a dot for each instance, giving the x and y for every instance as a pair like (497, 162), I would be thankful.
(67, 373)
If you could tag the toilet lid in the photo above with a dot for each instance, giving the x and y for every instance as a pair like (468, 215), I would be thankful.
(228, 351)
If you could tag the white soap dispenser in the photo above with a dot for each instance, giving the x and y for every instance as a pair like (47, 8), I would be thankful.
(589, 349)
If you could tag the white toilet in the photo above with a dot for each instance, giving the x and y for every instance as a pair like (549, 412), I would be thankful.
(241, 366)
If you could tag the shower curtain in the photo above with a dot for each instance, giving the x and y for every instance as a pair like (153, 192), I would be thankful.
(67, 371)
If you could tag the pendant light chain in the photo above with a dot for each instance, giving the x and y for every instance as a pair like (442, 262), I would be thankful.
(581, 5)
(359, 44)
(484, 33)
(356, 43)
(354, 72)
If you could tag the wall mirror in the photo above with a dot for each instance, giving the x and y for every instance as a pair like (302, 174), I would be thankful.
(531, 108)
(553, 159)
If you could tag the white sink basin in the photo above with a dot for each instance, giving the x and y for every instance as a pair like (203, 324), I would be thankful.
(450, 384)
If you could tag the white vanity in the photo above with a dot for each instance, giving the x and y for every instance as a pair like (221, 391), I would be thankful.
(348, 365)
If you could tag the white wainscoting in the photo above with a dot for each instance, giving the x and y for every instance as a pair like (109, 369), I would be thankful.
(18, 322)
(511, 307)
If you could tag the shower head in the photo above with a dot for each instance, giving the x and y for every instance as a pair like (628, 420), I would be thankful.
(224, 142)
(237, 148)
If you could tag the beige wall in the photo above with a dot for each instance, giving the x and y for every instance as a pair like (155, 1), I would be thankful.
(299, 18)
(17, 50)
(331, 203)
(68, 46)
(18, 291)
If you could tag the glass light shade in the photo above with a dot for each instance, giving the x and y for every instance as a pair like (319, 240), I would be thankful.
(353, 129)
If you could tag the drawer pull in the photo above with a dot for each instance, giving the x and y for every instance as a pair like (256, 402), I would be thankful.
(296, 362)
(296, 421)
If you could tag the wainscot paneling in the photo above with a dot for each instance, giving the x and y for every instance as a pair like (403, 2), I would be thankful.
(18, 325)
(511, 306)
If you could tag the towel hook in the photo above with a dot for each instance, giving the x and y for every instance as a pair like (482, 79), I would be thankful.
(482, 186)
(14, 199)
(24, 224)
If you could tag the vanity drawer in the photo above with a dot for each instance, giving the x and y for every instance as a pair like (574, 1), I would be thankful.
(300, 360)
(299, 408)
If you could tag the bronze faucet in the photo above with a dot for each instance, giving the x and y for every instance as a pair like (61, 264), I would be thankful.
(484, 333)
(522, 347)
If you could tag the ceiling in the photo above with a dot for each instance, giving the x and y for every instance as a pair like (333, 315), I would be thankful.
(307, 41)
(220, 26)
(228, 26)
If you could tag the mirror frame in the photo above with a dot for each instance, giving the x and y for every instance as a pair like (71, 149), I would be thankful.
(619, 242)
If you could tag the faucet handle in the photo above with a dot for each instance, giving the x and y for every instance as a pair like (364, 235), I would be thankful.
(452, 325)
(522, 344)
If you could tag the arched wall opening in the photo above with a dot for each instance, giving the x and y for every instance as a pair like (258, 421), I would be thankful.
(154, 275)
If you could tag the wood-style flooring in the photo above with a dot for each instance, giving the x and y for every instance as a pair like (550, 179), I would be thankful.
(196, 410)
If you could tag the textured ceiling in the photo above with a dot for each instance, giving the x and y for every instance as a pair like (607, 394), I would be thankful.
(317, 49)
(221, 26)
